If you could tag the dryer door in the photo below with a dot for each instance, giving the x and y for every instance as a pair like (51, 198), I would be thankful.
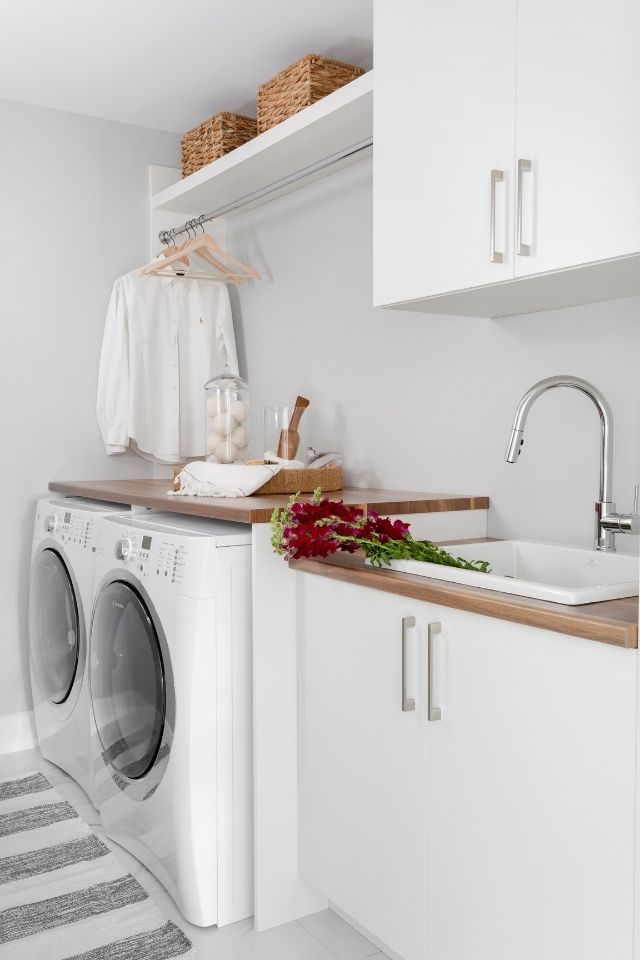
(128, 680)
(54, 626)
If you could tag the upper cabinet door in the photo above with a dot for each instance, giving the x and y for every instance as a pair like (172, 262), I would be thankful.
(578, 124)
(444, 119)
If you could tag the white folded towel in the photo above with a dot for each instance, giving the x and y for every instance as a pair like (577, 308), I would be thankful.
(270, 457)
(202, 479)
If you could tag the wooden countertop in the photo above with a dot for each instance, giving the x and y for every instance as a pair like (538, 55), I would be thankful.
(256, 509)
(613, 621)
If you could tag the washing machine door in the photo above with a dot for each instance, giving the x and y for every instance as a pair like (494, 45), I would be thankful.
(54, 626)
(130, 686)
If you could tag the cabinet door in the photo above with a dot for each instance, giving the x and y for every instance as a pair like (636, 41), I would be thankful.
(362, 758)
(444, 118)
(531, 795)
(578, 123)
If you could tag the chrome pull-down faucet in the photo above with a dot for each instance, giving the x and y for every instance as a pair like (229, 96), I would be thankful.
(608, 522)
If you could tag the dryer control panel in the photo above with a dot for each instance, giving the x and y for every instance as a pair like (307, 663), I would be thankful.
(181, 562)
(153, 556)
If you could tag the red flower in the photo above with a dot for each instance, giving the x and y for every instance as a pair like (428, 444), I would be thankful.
(321, 528)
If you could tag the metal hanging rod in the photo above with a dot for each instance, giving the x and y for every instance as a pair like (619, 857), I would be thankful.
(167, 236)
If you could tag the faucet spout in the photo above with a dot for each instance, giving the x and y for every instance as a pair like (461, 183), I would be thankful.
(605, 505)
(514, 448)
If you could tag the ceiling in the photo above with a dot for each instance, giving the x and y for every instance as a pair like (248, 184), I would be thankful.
(166, 65)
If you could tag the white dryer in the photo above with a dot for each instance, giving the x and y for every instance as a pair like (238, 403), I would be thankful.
(171, 688)
(63, 559)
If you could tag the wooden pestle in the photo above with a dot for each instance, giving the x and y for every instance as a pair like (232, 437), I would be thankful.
(290, 438)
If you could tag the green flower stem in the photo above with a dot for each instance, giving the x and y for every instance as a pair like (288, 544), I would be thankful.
(381, 554)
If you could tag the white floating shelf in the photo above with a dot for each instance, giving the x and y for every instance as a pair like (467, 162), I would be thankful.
(331, 126)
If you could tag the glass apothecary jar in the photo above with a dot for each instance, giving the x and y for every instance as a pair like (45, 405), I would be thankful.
(227, 419)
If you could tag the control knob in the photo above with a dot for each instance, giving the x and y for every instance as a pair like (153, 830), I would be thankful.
(50, 523)
(124, 549)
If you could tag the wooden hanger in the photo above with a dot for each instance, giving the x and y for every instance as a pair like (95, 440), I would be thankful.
(206, 248)
(204, 254)
(173, 248)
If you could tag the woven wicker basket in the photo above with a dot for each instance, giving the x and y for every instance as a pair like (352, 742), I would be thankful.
(303, 481)
(300, 85)
(293, 481)
(212, 139)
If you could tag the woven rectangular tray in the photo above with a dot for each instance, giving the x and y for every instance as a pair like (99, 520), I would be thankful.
(304, 481)
(328, 479)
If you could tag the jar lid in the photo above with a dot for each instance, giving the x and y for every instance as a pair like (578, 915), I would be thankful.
(226, 381)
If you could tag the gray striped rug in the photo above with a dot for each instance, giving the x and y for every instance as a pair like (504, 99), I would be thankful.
(63, 894)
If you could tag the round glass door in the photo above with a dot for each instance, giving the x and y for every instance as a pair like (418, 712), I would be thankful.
(54, 626)
(127, 680)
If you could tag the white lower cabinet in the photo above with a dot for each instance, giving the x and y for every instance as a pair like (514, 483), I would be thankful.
(363, 789)
(504, 829)
(531, 795)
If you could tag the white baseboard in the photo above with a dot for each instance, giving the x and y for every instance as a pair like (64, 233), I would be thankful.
(17, 732)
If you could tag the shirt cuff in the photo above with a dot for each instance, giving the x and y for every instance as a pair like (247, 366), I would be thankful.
(112, 448)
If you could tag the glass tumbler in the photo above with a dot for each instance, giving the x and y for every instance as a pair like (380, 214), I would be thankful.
(276, 421)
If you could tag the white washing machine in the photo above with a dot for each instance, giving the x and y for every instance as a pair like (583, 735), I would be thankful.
(63, 559)
(171, 688)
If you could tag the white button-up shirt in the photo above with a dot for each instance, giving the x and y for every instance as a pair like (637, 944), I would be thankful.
(163, 339)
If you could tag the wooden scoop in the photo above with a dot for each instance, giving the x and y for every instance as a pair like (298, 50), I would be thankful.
(290, 438)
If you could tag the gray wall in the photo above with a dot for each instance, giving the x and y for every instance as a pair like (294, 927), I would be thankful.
(413, 401)
(424, 402)
(74, 215)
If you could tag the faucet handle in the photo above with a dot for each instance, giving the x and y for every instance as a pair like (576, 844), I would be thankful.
(629, 522)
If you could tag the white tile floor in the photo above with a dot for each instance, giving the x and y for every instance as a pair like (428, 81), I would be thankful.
(321, 936)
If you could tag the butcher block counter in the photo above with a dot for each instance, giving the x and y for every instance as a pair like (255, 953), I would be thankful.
(257, 509)
(612, 621)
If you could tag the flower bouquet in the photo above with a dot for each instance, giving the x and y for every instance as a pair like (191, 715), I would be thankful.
(320, 527)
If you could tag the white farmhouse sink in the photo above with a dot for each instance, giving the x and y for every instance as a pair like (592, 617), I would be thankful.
(544, 571)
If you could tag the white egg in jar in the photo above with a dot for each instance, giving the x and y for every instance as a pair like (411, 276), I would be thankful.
(217, 402)
(239, 410)
(240, 436)
(223, 424)
(226, 451)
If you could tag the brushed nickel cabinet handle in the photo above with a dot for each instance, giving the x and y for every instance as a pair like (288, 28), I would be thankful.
(408, 703)
(523, 249)
(495, 256)
(433, 713)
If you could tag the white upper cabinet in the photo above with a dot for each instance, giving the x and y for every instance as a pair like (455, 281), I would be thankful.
(578, 110)
(545, 93)
(444, 118)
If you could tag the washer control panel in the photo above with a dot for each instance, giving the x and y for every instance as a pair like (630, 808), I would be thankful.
(73, 528)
